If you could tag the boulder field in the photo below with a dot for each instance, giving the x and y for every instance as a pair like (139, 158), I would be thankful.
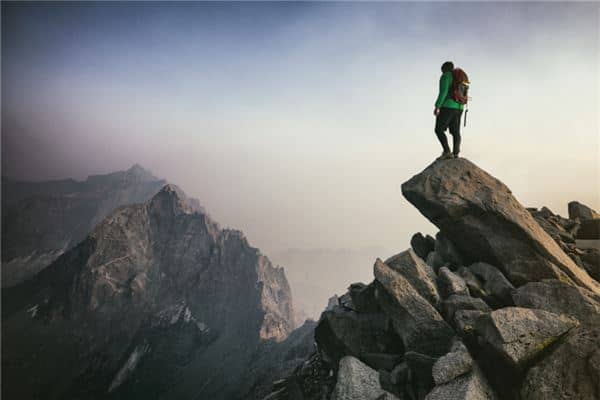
(501, 304)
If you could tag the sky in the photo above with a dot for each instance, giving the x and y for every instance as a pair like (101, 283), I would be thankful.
(298, 122)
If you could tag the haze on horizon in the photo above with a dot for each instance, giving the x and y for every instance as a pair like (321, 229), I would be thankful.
(298, 122)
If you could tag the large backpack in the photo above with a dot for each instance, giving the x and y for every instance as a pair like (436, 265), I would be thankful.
(460, 86)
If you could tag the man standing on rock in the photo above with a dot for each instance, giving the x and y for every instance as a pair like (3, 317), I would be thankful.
(449, 107)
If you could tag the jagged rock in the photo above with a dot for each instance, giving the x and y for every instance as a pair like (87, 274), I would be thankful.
(385, 380)
(400, 374)
(591, 262)
(473, 284)
(518, 335)
(570, 372)
(159, 273)
(345, 301)
(472, 386)
(452, 365)
(447, 251)
(464, 321)
(566, 373)
(363, 297)
(486, 223)
(450, 283)
(422, 245)
(332, 302)
(560, 298)
(420, 366)
(589, 230)
(581, 211)
(435, 261)
(417, 322)
(342, 332)
(496, 286)
(545, 212)
(381, 361)
(457, 302)
(356, 381)
(420, 275)
(560, 229)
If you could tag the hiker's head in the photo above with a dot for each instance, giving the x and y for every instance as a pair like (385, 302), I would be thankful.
(448, 66)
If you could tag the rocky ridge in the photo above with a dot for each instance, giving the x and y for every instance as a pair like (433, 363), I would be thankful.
(502, 304)
(157, 301)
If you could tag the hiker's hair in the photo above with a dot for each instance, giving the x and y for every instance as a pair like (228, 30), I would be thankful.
(448, 66)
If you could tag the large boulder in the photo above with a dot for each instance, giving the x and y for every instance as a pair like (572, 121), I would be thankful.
(589, 230)
(558, 227)
(487, 223)
(381, 361)
(422, 245)
(435, 260)
(452, 365)
(560, 298)
(356, 381)
(363, 297)
(464, 322)
(591, 262)
(418, 323)
(342, 332)
(450, 283)
(447, 251)
(420, 275)
(570, 372)
(472, 386)
(457, 302)
(496, 286)
(473, 283)
(421, 378)
(517, 335)
(581, 211)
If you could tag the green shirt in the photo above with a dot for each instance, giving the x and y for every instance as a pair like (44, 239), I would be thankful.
(444, 99)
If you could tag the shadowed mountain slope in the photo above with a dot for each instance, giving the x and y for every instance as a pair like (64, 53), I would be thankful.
(156, 302)
(42, 220)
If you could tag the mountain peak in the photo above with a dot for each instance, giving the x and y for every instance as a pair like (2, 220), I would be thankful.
(171, 200)
(140, 172)
(170, 188)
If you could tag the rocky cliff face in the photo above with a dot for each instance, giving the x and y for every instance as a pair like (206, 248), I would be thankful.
(157, 301)
(42, 220)
(500, 305)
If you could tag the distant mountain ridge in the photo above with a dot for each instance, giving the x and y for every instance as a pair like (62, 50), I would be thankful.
(157, 301)
(41, 220)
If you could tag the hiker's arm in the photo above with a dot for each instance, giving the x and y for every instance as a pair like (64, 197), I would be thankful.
(444, 87)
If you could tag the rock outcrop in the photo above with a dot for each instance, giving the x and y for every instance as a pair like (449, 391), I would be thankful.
(356, 381)
(414, 319)
(499, 306)
(581, 212)
(487, 223)
(518, 335)
(158, 301)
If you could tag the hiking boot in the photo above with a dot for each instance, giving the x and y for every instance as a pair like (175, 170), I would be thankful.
(445, 156)
(455, 155)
